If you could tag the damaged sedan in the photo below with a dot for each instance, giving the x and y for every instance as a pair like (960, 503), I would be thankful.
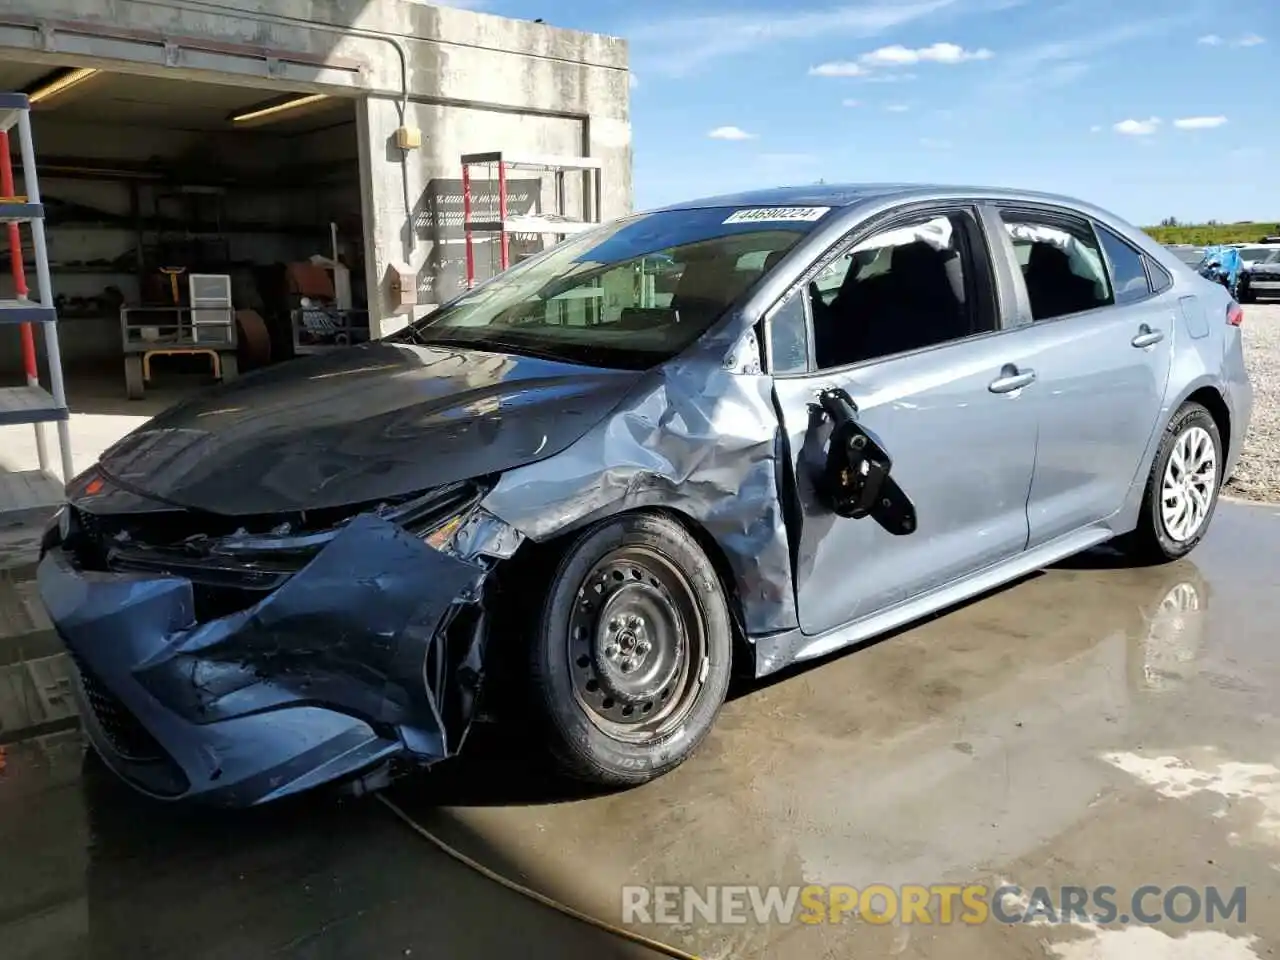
(733, 434)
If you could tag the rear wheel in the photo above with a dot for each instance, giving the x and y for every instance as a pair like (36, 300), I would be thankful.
(631, 657)
(1182, 488)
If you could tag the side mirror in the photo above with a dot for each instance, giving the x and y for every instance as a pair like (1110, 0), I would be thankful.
(855, 480)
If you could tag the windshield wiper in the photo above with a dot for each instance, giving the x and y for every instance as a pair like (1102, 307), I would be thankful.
(525, 349)
(424, 341)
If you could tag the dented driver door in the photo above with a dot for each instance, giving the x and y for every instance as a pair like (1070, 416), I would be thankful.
(960, 459)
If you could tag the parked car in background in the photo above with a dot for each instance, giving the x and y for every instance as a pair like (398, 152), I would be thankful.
(1260, 272)
(1222, 265)
(587, 499)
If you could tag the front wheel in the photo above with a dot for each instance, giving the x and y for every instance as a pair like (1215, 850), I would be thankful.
(631, 656)
(1182, 488)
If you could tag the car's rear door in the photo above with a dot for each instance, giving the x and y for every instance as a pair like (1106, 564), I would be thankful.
(1099, 334)
(934, 381)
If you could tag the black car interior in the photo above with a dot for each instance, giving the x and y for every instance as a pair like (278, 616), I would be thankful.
(1054, 289)
(923, 298)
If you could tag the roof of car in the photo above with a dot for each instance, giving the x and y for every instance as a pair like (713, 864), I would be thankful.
(849, 194)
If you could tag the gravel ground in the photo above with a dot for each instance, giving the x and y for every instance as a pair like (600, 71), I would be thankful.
(1257, 476)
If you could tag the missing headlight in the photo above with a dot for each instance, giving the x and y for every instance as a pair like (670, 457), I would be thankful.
(476, 533)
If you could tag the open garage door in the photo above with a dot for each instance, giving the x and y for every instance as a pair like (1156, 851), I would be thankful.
(181, 213)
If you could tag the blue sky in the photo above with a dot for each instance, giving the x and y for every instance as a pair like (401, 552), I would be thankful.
(1148, 108)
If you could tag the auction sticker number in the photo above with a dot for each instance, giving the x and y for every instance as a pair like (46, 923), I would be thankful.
(778, 215)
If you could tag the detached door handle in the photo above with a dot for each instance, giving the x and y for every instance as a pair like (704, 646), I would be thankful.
(1147, 337)
(1011, 379)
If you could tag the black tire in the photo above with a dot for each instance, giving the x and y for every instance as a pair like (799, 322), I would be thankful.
(1152, 541)
(605, 725)
(230, 367)
(134, 387)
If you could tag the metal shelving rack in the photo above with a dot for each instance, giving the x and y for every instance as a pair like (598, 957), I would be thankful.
(554, 224)
(31, 403)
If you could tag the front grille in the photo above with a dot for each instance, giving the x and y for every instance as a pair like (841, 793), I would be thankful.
(175, 543)
(147, 764)
(126, 735)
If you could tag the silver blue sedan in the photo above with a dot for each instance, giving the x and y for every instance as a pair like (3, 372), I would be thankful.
(737, 432)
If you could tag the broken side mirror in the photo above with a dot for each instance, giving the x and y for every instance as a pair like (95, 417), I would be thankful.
(855, 480)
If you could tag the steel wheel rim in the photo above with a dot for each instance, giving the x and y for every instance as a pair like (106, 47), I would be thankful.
(636, 645)
(1190, 480)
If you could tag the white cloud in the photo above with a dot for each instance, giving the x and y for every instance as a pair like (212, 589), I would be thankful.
(898, 108)
(838, 68)
(850, 102)
(1247, 40)
(1199, 123)
(730, 133)
(889, 78)
(680, 45)
(900, 56)
(1138, 128)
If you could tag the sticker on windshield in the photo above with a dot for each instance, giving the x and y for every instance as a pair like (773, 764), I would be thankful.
(778, 215)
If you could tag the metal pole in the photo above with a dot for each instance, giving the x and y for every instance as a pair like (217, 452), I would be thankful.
(56, 387)
(466, 226)
(29, 364)
(505, 259)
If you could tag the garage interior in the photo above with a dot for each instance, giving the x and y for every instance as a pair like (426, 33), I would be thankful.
(148, 182)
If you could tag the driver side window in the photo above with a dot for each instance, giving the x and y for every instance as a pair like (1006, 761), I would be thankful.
(909, 287)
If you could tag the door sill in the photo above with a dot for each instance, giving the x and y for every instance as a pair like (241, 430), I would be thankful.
(779, 650)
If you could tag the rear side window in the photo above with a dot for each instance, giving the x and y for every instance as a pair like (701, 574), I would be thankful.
(1061, 263)
(1128, 275)
(1161, 280)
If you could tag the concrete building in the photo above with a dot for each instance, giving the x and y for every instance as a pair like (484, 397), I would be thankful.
(142, 161)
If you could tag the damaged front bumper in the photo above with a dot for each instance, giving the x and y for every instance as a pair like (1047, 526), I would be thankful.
(370, 652)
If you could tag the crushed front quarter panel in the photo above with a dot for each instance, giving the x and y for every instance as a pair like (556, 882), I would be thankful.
(700, 437)
(353, 661)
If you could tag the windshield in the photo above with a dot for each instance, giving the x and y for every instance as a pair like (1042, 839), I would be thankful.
(630, 294)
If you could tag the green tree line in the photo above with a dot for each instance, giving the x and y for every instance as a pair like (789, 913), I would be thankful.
(1207, 234)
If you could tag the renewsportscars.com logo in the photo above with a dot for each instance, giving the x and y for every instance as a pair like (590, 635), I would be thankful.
(943, 904)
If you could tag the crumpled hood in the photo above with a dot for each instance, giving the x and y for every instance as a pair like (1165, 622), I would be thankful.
(361, 424)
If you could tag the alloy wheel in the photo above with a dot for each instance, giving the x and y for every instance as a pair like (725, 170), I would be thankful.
(1189, 484)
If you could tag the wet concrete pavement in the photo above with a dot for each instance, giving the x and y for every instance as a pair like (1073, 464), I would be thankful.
(1088, 726)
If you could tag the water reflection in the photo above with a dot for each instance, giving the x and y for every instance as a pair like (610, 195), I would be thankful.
(1175, 634)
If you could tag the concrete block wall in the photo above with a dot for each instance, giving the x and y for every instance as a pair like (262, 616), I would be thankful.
(435, 246)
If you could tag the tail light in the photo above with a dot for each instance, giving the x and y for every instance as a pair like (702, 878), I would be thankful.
(1235, 314)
